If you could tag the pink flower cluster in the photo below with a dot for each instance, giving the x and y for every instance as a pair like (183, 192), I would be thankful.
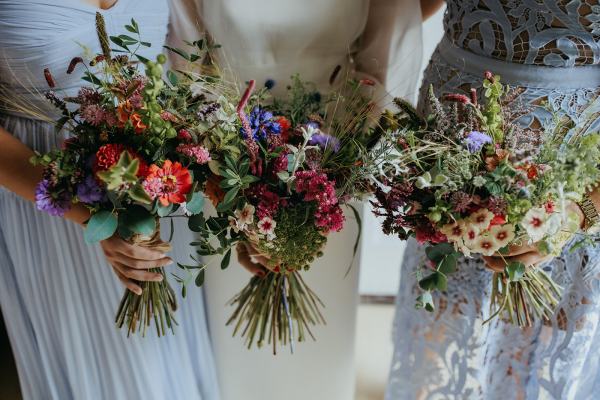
(268, 201)
(317, 187)
(195, 152)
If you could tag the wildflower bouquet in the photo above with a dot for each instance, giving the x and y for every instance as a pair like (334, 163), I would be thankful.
(278, 181)
(127, 160)
(469, 182)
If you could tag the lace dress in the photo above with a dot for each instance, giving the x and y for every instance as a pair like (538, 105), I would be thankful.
(550, 50)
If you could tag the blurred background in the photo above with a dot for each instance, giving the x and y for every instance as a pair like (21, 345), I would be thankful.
(379, 278)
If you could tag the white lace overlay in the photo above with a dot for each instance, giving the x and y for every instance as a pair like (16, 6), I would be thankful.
(450, 354)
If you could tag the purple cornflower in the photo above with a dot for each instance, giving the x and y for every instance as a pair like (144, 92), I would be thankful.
(89, 191)
(325, 141)
(55, 204)
(262, 124)
(476, 140)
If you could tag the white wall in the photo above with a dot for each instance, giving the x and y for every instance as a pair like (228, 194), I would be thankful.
(381, 255)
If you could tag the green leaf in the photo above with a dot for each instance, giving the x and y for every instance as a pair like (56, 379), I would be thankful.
(89, 77)
(172, 76)
(199, 281)
(163, 211)
(196, 204)
(119, 42)
(197, 223)
(138, 194)
(515, 271)
(135, 25)
(436, 280)
(436, 253)
(425, 301)
(139, 220)
(448, 264)
(226, 259)
(179, 52)
(130, 28)
(102, 225)
(229, 197)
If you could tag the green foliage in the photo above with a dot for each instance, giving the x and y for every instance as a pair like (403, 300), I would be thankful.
(298, 241)
(101, 225)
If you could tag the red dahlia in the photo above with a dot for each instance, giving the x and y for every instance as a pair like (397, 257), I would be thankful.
(109, 154)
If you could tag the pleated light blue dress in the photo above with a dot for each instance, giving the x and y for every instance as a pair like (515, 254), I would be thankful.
(59, 295)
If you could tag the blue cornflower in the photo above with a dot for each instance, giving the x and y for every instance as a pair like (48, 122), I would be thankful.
(476, 140)
(262, 124)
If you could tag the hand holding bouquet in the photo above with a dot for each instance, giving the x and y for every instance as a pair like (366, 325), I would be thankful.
(469, 182)
(278, 181)
(126, 160)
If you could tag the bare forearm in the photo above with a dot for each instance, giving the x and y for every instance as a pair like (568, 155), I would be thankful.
(19, 176)
(430, 7)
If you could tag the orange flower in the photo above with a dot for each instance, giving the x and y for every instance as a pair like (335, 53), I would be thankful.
(168, 184)
(213, 191)
(124, 110)
(137, 123)
(492, 162)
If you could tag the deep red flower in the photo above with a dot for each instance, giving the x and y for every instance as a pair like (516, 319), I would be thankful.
(498, 220)
(109, 154)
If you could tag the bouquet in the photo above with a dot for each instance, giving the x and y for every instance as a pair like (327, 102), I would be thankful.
(126, 160)
(467, 181)
(278, 180)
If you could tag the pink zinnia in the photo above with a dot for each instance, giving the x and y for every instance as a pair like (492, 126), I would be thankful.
(196, 152)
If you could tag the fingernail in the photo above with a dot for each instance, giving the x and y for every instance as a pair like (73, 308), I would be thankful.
(138, 292)
(158, 278)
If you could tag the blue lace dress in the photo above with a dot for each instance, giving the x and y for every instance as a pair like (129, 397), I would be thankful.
(550, 51)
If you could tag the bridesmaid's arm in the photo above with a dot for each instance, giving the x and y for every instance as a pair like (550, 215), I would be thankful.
(19, 176)
(129, 261)
(430, 7)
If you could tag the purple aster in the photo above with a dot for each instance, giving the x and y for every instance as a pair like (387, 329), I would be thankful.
(476, 140)
(55, 204)
(89, 191)
(325, 141)
(262, 124)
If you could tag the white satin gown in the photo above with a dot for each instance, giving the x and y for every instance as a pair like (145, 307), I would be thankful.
(273, 39)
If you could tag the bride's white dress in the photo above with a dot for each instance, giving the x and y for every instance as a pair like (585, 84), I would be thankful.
(273, 39)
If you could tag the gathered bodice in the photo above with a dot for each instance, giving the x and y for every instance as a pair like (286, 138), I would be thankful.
(555, 33)
(38, 34)
(273, 39)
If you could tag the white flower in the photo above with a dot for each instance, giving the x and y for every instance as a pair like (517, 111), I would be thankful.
(486, 245)
(266, 226)
(481, 218)
(534, 223)
(454, 231)
(470, 233)
(235, 224)
(503, 234)
(245, 216)
(479, 181)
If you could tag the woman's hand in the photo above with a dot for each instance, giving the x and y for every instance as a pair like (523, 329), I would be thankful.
(528, 254)
(246, 252)
(130, 262)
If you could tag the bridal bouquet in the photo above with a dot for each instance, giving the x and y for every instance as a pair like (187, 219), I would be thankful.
(467, 181)
(127, 160)
(278, 181)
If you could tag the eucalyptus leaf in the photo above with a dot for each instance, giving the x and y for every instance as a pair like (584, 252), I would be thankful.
(196, 204)
(101, 225)
(226, 259)
(139, 220)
